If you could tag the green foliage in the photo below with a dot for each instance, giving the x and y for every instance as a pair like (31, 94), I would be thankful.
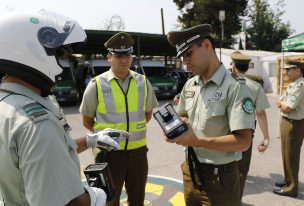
(266, 29)
(258, 79)
(194, 12)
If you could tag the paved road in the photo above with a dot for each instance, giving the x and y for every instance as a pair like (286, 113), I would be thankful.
(165, 160)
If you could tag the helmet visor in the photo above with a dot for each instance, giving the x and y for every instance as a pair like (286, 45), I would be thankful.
(52, 38)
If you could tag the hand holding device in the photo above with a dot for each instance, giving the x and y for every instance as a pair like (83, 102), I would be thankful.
(99, 176)
(169, 121)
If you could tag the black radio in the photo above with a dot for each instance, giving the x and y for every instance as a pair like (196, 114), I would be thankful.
(169, 121)
(99, 175)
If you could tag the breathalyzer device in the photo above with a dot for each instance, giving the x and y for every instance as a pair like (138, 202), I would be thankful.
(169, 121)
(99, 175)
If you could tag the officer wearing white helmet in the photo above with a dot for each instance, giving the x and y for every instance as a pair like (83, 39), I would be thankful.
(38, 158)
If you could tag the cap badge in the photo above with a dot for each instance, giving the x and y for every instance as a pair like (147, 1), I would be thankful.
(178, 47)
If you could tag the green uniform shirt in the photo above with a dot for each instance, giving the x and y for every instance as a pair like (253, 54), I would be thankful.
(294, 98)
(90, 101)
(259, 98)
(217, 108)
(39, 163)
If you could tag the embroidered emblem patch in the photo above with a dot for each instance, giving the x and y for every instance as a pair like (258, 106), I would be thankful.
(189, 94)
(293, 98)
(248, 105)
(216, 96)
(34, 20)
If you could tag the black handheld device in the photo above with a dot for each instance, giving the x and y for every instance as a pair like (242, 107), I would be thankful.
(169, 121)
(99, 175)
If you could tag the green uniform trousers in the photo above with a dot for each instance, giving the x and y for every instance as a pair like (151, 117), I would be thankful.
(128, 168)
(292, 133)
(243, 166)
(221, 188)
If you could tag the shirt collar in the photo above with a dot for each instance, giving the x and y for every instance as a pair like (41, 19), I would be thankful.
(19, 89)
(301, 79)
(219, 75)
(111, 75)
(25, 91)
(296, 82)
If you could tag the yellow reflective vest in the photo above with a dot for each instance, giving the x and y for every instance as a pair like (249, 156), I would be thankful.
(118, 110)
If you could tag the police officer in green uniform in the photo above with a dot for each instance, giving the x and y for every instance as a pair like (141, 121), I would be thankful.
(291, 105)
(240, 65)
(122, 99)
(38, 158)
(220, 115)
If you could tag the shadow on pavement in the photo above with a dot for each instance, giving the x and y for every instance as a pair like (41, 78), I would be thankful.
(257, 185)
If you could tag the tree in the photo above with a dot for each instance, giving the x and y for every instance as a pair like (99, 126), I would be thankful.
(194, 12)
(114, 23)
(266, 29)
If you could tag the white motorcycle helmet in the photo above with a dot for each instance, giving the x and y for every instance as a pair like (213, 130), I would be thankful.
(30, 44)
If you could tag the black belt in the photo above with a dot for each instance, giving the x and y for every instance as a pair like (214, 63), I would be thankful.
(197, 169)
(292, 120)
(214, 169)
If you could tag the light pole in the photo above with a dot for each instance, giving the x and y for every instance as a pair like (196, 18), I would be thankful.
(222, 18)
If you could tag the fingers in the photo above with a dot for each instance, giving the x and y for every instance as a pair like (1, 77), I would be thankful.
(266, 143)
(116, 133)
(263, 146)
(108, 143)
(262, 149)
(185, 119)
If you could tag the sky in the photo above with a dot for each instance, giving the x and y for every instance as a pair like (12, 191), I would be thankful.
(138, 15)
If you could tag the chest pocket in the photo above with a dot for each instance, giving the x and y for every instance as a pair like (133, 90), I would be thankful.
(214, 115)
(217, 108)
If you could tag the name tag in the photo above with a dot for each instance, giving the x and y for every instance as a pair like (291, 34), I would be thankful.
(190, 94)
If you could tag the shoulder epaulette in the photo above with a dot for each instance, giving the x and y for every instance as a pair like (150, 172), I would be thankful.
(34, 110)
(300, 84)
(238, 77)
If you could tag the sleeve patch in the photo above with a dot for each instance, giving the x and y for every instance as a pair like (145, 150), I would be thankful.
(247, 105)
(34, 110)
(293, 98)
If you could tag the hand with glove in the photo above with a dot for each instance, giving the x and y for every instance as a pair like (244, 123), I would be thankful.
(98, 196)
(107, 139)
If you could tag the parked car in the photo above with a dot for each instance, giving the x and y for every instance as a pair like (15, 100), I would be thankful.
(163, 85)
(180, 76)
(65, 88)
